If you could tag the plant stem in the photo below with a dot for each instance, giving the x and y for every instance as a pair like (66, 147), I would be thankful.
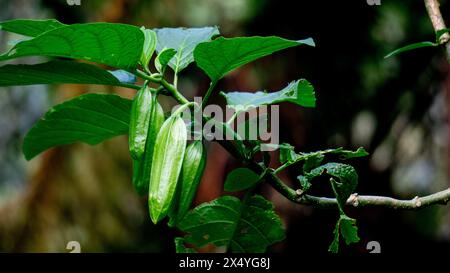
(438, 23)
(355, 200)
(212, 85)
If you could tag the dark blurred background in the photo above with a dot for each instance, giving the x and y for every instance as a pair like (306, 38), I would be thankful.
(396, 108)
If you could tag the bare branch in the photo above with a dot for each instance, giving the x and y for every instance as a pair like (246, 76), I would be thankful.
(438, 23)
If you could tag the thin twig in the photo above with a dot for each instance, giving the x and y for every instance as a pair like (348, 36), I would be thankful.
(438, 23)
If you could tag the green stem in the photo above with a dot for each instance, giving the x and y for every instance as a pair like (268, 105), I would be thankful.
(212, 85)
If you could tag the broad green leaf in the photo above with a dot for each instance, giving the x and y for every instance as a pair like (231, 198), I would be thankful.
(183, 40)
(31, 28)
(346, 176)
(150, 40)
(116, 45)
(346, 227)
(223, 55)
(240, 179)
(299, 92)
(410, 47)
(57, 71)
(90, 118)
(181, 248)
(248, 227)
(163, 59)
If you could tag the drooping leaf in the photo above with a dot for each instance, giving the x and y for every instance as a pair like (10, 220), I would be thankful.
(346, 227)
(410, 47)
(240, 179)
(300, 92)
(57, 71)
(181, 248)
(346, 179)
(90, 118)
(248, 227)
(31, 28)
(183, 40)
(116, 45)
(223, 55)
(163, 59)
(287, 153)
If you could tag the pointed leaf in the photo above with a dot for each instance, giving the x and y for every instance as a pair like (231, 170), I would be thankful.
(116, 45)
(90, 118)
(31, 28)
(240, 179)
(300, 92)
(223, 55)
(183, 40)
(410, 47)
(57, 71)
(248, 227)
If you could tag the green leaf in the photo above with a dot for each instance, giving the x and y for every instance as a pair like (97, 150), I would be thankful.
(312, 161)
(345, 226)
(150, 40)
(223, 55)
(299, 92)
(31, 28)
(183, 40)
(248, 227)
(345, 154)
(90, 118)
(287, 153)
(116, 45)
(410, 47)
(181, 248)
(347, 179)
(57, 71)
(240, 179)
(163, 59)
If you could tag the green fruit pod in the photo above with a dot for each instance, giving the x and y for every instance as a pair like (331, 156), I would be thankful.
(166, 166)
(191, 174)
(139, 122)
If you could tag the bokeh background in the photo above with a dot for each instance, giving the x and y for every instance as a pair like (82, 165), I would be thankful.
(397, 108)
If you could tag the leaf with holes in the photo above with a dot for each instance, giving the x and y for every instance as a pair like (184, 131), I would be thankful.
(223, 55)
(90, 118)
(31, 28)
(116, 45)
(300, 92)
(243, 227)
(346, 176)
(57, 71)
(183, 40)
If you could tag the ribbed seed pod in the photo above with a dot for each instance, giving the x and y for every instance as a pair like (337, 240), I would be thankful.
(139, 122)
(191, 173)
(142, 168)
(167, 161)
